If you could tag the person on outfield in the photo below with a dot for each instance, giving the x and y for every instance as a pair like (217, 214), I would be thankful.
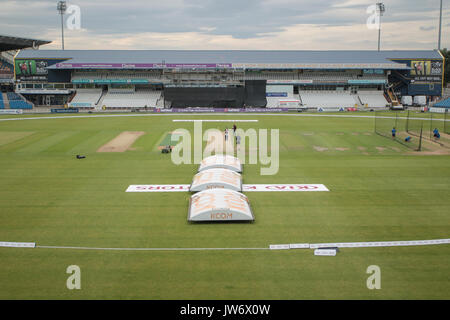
(226, 134)
(394, 132)
(234, 128)
(436, 133)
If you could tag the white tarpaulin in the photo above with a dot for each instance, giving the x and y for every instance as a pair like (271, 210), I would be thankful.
(216, 178)
(221, 162)
(219, 205)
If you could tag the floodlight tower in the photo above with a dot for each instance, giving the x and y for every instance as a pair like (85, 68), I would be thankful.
(440, 27)
(380, 11)
(62, 7)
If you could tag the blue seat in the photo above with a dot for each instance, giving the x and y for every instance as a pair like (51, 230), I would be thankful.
(443, 104)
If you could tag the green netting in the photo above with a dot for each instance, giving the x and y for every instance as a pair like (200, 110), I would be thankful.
(428, 122)
(386, 120)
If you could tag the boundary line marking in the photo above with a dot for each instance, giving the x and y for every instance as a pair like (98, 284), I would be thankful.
(148, 249)
(372, 244)
(194, 120)
(209, 114)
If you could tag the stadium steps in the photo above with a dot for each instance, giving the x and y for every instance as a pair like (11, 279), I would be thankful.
(102, 97)
(160, 102)
(357, 100)
(5, 101)
(26, 100)
(392, 97)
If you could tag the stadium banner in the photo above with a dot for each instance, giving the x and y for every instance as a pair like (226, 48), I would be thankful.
(222, 110)
(111, 81)
(373, 71)
(438, 109)
(245, 188)
(69, 110)
(143, 65)
(11, 111)
(17, 244)
(289, 81)
(80, 104)
(426, 76)
(370, 81)
(277, 94)
(330, 109)
(33, 69)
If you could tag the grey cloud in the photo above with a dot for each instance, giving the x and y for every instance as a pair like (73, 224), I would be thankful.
(239, 18)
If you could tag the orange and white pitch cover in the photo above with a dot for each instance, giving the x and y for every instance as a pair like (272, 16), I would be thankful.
(220, 161)
(216, 178)
(219, 205)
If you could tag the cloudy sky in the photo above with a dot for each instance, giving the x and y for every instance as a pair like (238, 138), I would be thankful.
(229, 24)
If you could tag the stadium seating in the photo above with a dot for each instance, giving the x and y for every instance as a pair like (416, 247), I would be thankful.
(139, 99)
(6, 70)
(2, 104)
(315, 76)
(273, 102)
(373, 99)
(116, 75)
(17, 102)
(327, 99)
(443, 104)
(86, 98)
(5, 67)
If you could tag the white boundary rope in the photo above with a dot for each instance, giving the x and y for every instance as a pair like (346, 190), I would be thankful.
(208, 114)
(149, 249)
(271, 247)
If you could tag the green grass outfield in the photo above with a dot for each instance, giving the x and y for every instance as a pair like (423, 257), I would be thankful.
(379, 191)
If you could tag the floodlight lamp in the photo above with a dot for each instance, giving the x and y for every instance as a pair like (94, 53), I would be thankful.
(62, 7)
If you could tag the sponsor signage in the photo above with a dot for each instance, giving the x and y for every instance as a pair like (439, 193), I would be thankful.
(277, 94)
(279, 247)
(159, 188)
(289, 81)
(373, 71)
(69, 110)
(81, 104)
(380, 244)
(223, 110)
(325, 252)
(33, 69)
(11, 111)
(389, 66)
(143, 65)
(283, 187)
(245, 188)
(43, 91)
(369, 81)
(110, 81)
